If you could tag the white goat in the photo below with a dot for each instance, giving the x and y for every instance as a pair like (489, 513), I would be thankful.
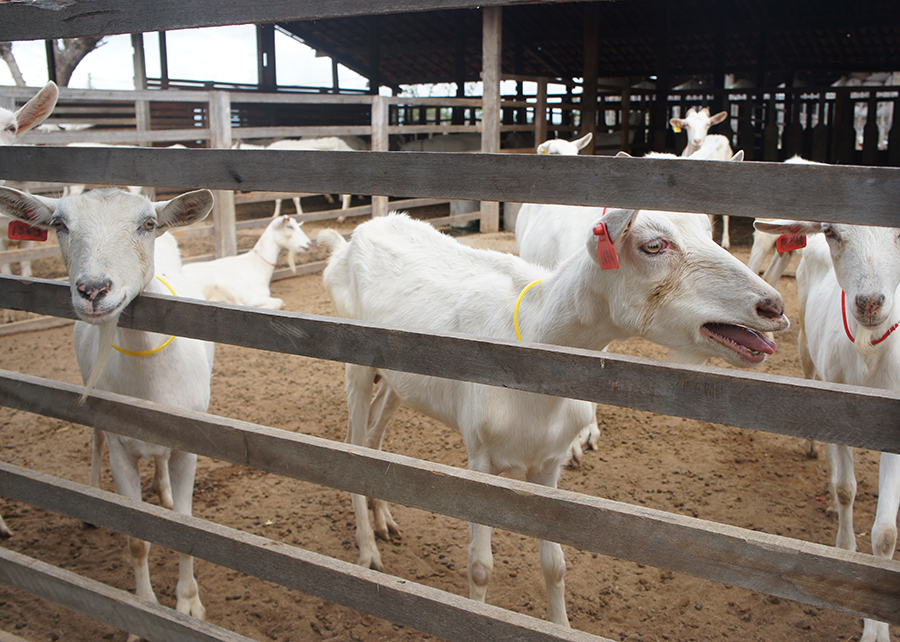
(715, 146)
(674, 286)
(560, 147)
(848, 282)
(108, 240)
(12, 126)
(327, 144)
(244, 279)
(764, 245)
(549, 234)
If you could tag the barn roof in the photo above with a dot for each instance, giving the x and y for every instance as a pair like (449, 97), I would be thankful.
(637, 38)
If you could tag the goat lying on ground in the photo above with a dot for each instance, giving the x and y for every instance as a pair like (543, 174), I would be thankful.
(560, 147)
(848, 285)
(674, 286)
(244, 279)
(110, 242)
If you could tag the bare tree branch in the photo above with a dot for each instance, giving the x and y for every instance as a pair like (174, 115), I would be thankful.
(7, 55)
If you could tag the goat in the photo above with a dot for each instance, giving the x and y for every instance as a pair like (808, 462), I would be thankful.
(764, 245)
(113, 246)
(12, 126)
(674, 286)
(856, 269)
(327, 144)
(549, 234)
(715, 147)
(560, 147)
(244, 279)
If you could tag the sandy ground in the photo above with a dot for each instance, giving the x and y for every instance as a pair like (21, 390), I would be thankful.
(739, 477)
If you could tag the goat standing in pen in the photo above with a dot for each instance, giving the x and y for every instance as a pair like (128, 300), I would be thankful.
(848, 284)
(714, 146)
(12, 126)
(673, 286)
(112, 247)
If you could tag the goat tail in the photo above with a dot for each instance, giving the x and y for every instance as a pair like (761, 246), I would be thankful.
(332, 239)
(105, 342)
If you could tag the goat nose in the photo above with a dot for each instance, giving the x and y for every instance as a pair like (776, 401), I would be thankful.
(94, 290)
(869, 305)
(770, 307)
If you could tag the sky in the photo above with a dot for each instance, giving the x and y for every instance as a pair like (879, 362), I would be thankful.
(226, 54)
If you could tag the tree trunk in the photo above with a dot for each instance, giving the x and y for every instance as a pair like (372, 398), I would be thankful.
(72, 52)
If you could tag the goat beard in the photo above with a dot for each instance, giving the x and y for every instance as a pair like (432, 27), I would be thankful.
(105, 340)
(291, 263)
(863, 342)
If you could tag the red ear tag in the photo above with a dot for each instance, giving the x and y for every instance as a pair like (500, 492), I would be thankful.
(606, 253)
(21, 231)
(788, 243)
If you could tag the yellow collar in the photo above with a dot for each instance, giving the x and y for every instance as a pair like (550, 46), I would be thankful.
(147, 353)
(518, 303)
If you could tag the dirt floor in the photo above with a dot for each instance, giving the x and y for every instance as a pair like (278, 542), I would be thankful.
(739, 477)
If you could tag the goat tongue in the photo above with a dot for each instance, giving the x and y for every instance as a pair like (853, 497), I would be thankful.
(742, 336)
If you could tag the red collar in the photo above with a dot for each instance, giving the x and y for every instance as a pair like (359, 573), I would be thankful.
(875, 342)
(262, 258)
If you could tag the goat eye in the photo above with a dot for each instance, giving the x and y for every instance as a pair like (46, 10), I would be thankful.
(149, 225)
(58, 225)
(654, 247)
(829, 232)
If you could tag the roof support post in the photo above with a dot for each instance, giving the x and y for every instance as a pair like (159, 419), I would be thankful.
(492, 48)
(224, 233)
(591, 71)
(141, 107)
(265, 57)
(380, 143)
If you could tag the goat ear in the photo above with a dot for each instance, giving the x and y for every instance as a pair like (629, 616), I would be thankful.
(677, 122)
(718, 118)
(584, 141)
(623, 155)
(34, 210)
(617, 223)
(184, 210)
(544, 147)
(738, 156)
(36, 110)
(794, 228)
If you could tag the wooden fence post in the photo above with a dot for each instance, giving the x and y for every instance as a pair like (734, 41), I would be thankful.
(141, 107)
(220, 138)
(490, 108)
(540, 113)
(380, 143)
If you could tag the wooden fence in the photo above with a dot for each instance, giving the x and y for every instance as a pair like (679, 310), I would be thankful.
(813, 574)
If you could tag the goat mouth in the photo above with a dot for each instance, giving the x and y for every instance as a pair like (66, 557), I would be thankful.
(90, 315)
(748, 343)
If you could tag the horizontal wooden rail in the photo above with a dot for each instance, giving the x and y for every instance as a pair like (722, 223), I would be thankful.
(63, 19)
(118, 137)
(833, 413)
(106, 604)
(810, 573)
(864, 195)
(404, 602)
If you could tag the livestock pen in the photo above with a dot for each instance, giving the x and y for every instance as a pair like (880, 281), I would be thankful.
(778, 566)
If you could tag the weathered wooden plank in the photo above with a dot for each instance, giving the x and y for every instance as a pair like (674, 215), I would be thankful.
(427, 609)
(813, 192)
(105, 604)
(861, 417)
(118, 137)
(248, 133)
(810, 573)
(102, 95)
(33, 325)
(61, 19)
(28, 254)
